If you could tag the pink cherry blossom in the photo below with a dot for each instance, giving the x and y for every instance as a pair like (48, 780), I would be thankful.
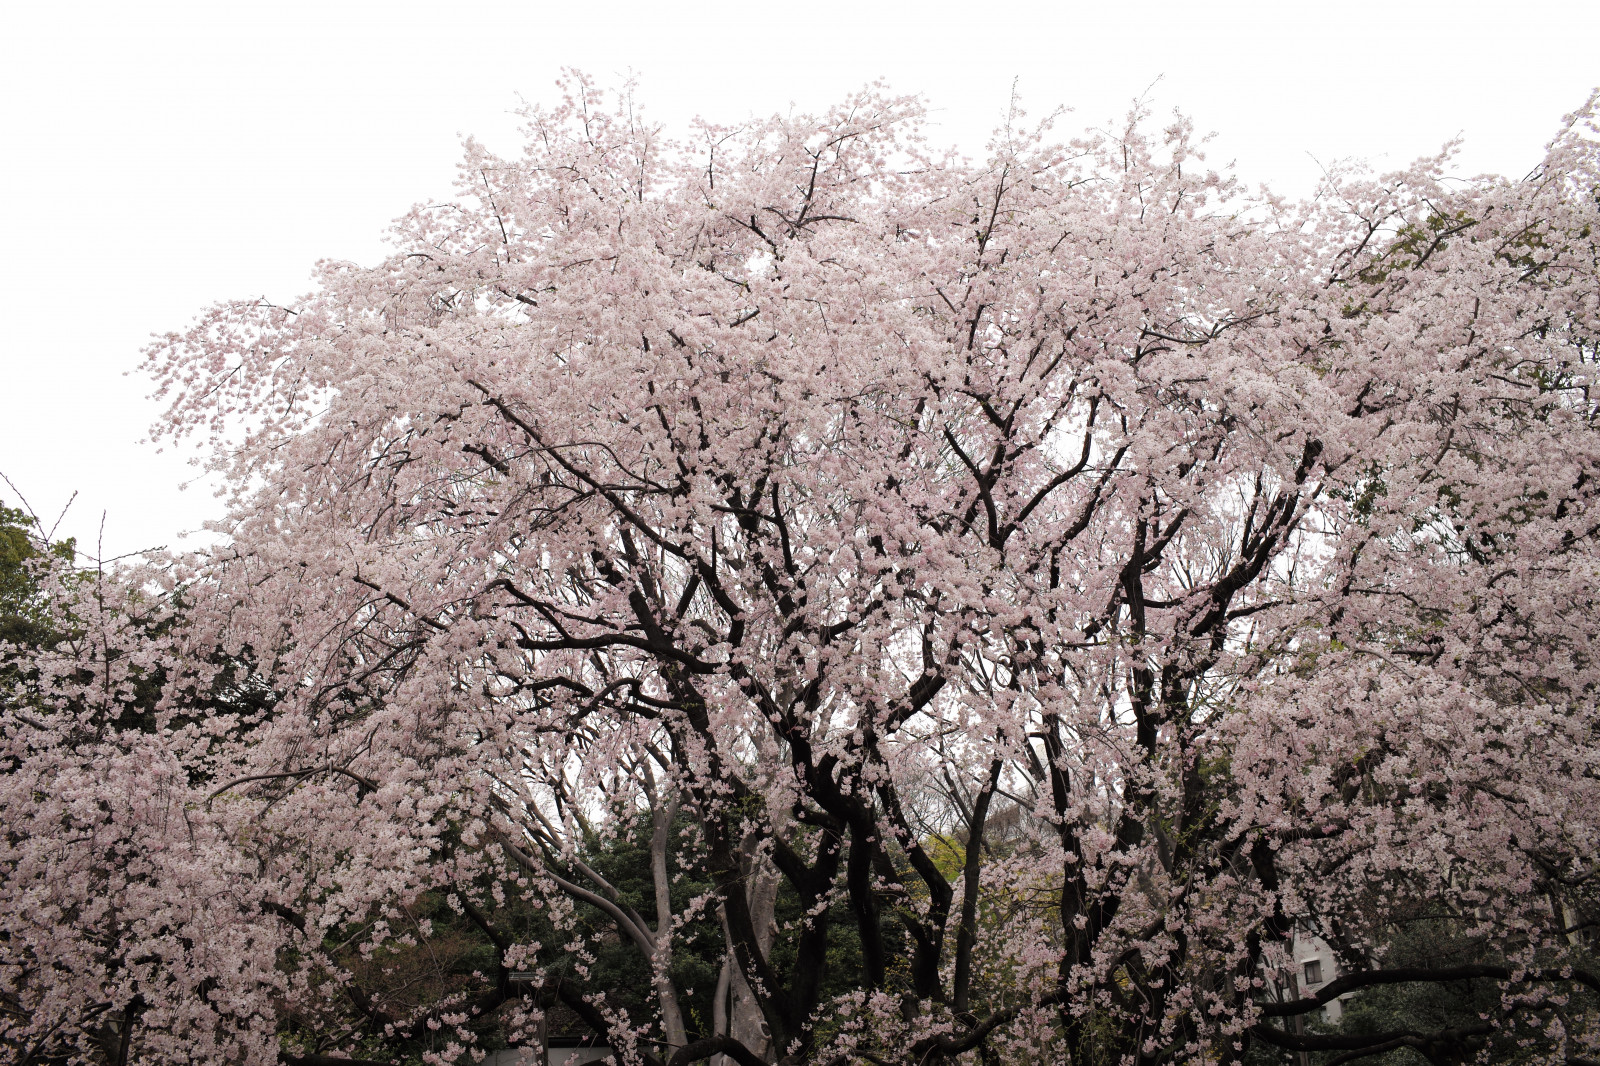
(1069, 563)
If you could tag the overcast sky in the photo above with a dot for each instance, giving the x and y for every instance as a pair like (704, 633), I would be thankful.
(159, 156)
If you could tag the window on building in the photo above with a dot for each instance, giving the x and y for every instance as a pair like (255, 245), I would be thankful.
(1314, 972)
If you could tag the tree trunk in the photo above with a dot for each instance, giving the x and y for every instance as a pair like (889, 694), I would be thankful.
(661, 816)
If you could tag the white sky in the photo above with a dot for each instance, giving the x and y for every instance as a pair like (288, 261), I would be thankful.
(162, 156)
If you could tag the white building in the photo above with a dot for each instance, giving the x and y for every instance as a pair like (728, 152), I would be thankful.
(1314, 966)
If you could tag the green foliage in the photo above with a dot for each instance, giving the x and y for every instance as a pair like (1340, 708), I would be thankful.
(22, 552)
(1425, 1008)
(1430, 943)
(1415, 243)
(620, 968)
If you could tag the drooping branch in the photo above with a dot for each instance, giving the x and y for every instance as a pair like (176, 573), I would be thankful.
(1350, 982)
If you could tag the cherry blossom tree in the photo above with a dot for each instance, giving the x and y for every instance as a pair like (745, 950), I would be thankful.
(124, 907)
(1065, 574)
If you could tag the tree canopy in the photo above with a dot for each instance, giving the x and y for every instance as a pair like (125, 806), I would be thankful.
(796, 596)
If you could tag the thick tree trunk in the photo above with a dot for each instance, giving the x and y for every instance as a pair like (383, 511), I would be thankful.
(661, 816)
(745, 1021)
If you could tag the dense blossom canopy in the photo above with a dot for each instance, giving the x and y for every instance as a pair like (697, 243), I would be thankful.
(1066, 574)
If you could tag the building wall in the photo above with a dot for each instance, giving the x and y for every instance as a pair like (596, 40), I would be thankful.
(1309, 948)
